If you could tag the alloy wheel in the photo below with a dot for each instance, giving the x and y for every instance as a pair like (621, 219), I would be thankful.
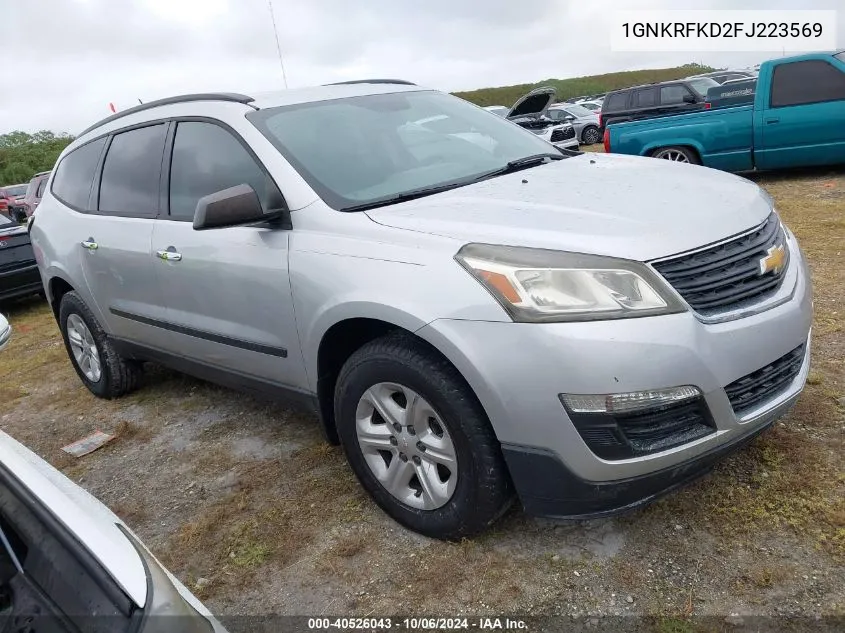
(406, 446)
(673, 155)
(84, 348)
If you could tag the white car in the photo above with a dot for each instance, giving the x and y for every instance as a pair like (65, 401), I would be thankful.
(530, 112)
(70, 564)
(5, 332)
(593, 106)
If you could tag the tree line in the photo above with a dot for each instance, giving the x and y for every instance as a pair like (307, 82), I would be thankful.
(23, 155)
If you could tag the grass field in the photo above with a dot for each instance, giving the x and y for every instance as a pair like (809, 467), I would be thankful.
(247, 505)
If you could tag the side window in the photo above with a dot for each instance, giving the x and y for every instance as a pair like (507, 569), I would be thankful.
(616, 101)
(207, 159)
(75, 174)
(645, 98)
(670, 95)
(810, 81)
(555, 114)
(130, 182)
(40, 192)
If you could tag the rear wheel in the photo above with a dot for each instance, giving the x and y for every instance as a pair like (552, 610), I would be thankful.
(418, 439)
(105, 372)
(590, 135)
(677, 154)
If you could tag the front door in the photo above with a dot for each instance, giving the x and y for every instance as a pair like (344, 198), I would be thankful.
(226, 291)
(804, 123)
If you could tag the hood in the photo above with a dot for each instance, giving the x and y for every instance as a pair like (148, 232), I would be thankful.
(535, 103)
(620, 206)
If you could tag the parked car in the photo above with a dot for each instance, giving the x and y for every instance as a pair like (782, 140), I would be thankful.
(466, 323)
(796, 118)
(34, 192)
(585, 122)
(69, 564)
(531, 112)
(655, 100)
(18, 269)
(5, 332)
(592, 106)
(10, 196)
(723, 76)
(499, 110)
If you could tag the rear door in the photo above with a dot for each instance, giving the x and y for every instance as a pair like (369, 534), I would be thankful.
(226, 291)
(116, 237)
(804, 123)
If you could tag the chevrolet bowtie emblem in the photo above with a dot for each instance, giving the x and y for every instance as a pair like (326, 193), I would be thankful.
(774, 260)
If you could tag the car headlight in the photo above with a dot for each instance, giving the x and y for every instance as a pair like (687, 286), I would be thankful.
(538, 286)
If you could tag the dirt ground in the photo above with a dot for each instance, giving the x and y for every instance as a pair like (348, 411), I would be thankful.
(244, 502)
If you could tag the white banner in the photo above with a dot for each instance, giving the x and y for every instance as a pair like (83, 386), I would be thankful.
(723, 31)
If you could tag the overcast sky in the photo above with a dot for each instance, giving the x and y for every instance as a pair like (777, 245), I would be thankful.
(63, 61)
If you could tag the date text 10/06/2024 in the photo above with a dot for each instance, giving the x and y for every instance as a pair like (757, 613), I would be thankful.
(423, 623)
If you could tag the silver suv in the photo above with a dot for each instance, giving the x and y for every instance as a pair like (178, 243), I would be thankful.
(475, 316)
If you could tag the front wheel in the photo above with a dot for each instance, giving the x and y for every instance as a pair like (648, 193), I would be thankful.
(677, 154)
(418, 439)
(590, 135)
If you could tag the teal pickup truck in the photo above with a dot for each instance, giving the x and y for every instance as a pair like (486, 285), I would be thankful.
(797, 118)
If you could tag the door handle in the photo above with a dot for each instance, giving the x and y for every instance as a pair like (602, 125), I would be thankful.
(170, 255)
(90, 244)
(772, 121)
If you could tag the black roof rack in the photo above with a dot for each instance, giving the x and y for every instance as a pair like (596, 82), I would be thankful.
(401, 82)
(202, 96)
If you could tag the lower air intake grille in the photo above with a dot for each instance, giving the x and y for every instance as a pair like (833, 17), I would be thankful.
(766, 383)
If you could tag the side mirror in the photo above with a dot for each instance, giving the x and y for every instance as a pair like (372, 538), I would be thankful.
(231, 207)
(569, 118)
(689, 99)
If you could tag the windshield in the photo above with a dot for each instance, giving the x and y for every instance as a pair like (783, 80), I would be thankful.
(362, 150)
(578, 110)
(702, 84)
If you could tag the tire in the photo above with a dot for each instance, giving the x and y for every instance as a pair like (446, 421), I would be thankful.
(678, 154)
(482, 490)
(590, 135)
(117, 375)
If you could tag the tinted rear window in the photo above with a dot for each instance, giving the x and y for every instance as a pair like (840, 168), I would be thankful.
(131, 172)
(616, 101)
(644, 98)
(74, 175)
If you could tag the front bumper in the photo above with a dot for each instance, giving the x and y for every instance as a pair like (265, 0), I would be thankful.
(547, 488)
(517, 370)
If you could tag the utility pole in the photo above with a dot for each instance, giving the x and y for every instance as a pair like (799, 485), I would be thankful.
(278, 46)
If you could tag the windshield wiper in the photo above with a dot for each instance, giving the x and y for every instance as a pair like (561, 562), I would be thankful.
(518, 164)
(404, 197)
(514, 165)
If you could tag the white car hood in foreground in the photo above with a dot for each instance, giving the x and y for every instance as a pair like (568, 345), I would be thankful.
(621, 206)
